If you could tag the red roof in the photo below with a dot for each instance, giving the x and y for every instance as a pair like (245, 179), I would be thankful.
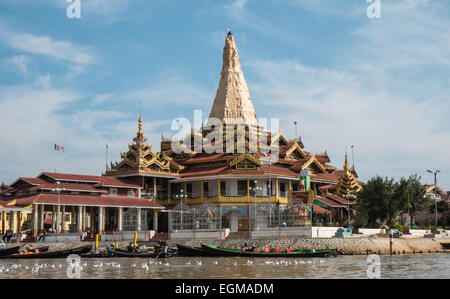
(102, 181)
(330, 202)
(278, 170)
(320, 210)
(339, 199)
(69, 187)
(204, 157)
(204, 171)
(330, 177)
(83, 200)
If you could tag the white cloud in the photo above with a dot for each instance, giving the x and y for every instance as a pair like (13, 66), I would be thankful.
(45, 45)
(17, 63)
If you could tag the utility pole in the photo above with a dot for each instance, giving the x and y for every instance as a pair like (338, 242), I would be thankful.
(435, 193)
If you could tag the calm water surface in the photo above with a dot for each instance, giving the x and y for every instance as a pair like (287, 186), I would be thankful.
(407, 266)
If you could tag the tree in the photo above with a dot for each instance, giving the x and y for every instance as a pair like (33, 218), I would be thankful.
(376, 202)
(417, 199)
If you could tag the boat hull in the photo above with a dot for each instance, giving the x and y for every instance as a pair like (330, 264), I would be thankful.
(228, 252)
(51, 254)
(189, 251)
(9, 251)
(124, 253)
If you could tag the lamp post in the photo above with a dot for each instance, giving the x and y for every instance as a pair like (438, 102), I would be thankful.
(270, 191)
(255, 189)
(435, 195)
(181, 196)
(58, 213)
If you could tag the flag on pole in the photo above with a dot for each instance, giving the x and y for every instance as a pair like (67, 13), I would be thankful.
(59, 148)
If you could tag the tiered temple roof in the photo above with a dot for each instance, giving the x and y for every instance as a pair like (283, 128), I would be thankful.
(199, 163)
(348, 185)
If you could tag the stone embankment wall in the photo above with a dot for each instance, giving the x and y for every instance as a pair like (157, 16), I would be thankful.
(351, 246)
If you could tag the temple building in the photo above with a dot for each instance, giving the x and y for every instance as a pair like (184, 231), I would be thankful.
(232, 169)
(240, 177)
(74, 203)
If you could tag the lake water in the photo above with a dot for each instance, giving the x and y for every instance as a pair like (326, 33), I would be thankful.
(405, 266)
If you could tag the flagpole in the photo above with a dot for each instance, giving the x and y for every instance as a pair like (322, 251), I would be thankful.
(106, 167)
(54, 158)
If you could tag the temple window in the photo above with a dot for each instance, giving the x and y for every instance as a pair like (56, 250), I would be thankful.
(245, 165)
(113, 191)
(131, 193)
(242, 188)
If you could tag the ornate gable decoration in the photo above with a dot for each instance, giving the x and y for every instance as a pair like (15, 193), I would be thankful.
(295, 152)
(313, 161)
(140, 157)
(245, 161)
(282, 141)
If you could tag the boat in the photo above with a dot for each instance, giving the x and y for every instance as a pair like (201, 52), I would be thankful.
(445, 245)
(184, 250)
(41, 249)
(50, 254)
(117, 252)
(9, 251)
(229, 252)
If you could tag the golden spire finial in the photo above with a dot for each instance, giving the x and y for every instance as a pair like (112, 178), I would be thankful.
(346, 162)
(140, 123)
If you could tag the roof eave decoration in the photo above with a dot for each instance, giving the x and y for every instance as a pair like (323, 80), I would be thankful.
(245, 156)
(317, 163)
(296, 147)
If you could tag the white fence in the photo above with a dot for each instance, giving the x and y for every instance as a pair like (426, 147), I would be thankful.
(202, 234)
(283, 232)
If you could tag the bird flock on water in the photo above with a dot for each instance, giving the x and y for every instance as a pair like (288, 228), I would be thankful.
(147, 265)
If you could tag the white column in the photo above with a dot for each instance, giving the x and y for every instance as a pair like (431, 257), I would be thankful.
(63, 218)
(138, 219)
(35, 215)
(155, 220)
(58, 219)
(100, 220)
(80, 219)
(41, 217)
(155, 193)
(120, 220)
(84, 219)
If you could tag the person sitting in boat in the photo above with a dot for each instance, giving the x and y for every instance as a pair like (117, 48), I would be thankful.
(130, 247)
(27, 249)
(245, 247)
(2, 245)
(289, 250)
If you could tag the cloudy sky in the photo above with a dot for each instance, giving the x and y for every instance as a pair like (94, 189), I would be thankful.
(381, 85)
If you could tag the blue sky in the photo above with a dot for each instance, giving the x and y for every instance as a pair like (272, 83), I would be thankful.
(381, 85)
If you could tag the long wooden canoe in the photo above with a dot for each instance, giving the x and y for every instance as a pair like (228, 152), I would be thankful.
(51, 254)
(9, 251)
(228, 252)
(184, 250)
(124, 253)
